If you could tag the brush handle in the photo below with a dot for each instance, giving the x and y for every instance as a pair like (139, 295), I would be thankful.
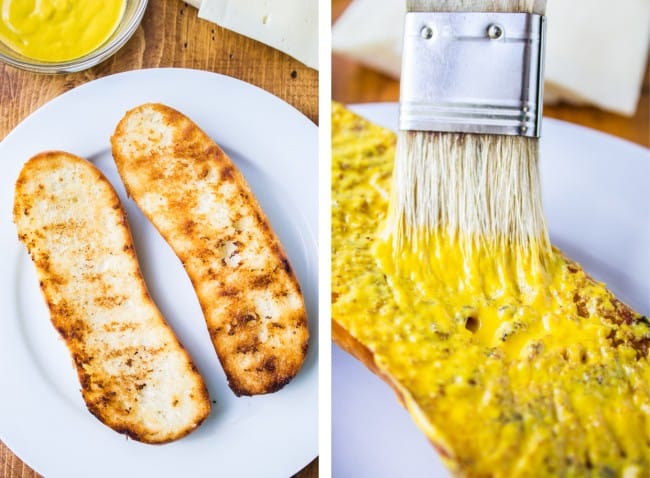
(504, 6)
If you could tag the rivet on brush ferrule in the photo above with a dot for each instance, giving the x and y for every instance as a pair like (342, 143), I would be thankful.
(473, 73)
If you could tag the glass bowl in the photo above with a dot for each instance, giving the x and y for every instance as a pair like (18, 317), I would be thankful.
(133, 12)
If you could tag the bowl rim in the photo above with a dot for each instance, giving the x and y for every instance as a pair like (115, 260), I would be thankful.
(89, 60)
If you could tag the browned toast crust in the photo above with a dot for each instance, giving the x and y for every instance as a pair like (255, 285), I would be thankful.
(201, 204)
(135, 375)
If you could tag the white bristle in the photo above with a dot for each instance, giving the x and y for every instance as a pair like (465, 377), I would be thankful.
(475, 187)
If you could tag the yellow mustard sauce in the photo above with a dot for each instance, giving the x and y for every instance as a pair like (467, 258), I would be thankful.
(58, 30)
(512, 370)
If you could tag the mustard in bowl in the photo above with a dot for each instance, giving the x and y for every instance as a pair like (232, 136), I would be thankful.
(58, 36)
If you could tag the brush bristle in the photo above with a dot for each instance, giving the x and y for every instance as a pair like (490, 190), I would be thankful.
(476, 188)
(526, 6)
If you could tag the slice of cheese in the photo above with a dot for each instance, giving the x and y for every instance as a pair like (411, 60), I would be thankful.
(370, 31)
(595, 53)
(290, 26)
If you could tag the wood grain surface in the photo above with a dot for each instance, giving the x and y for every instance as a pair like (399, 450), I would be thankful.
(171, 35)
(354, 83)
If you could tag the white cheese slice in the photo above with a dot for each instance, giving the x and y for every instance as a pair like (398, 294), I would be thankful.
(290, 26)
(370, 31)
(596, 51)
(194, 3)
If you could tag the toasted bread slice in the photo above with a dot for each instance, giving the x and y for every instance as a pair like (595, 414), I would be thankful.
(135, 375)
(549, 381)
(202, 206)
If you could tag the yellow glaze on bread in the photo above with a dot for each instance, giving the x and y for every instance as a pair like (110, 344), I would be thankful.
(512, 370)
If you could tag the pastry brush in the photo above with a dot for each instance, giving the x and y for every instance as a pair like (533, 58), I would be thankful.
(466, 162)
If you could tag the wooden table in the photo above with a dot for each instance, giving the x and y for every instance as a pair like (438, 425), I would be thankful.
(171, 35)
(354, 83)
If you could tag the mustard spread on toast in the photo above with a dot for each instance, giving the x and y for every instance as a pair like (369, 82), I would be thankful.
(510, 369)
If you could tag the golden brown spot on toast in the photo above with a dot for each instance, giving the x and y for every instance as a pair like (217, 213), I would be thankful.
(117, 326)
(286, 265)
(248, 346)
(109, 301)
(263, 281)
(73, 330)
(581, 305)
(212, 275)
(188, 226)
(269, 364)
(622, 314)
(240, 321)
(228, 292)
(58, 280)
(227, 173)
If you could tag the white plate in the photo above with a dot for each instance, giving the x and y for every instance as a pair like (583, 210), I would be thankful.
(595, 191)
(43, 418)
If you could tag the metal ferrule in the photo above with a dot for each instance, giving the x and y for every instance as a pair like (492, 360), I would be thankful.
(473, 73)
